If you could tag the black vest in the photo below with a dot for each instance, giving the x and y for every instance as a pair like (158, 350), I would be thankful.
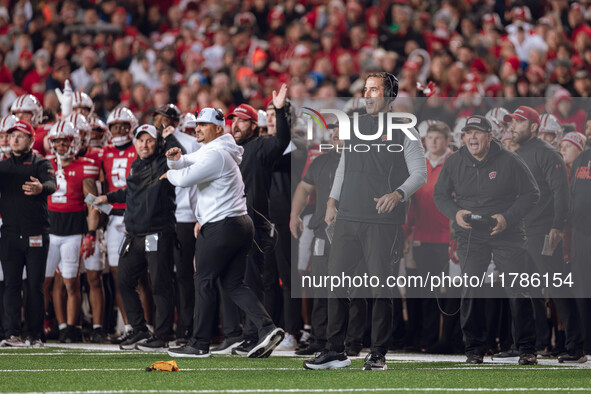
(372, 174)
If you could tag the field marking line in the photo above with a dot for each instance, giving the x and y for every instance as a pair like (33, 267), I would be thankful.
(204, 369)
(346, 390)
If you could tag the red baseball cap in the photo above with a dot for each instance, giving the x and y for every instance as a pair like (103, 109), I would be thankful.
(575, 138)
(523, 112)
(245, 111)
(24, 126)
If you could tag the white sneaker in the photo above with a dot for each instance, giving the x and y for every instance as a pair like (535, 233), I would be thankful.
(265, 347)
(35, 343)
(14, 341)
(289, 343)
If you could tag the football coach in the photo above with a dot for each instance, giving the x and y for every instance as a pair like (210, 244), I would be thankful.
(484, 179)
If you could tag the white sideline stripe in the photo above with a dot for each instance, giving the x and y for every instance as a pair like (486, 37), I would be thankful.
(72, 354)
(347, 390)
(141, 369)
(288, 369)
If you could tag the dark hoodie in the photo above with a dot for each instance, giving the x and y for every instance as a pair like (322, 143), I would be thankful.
(501, 183)
(258, 160)
(549, 171)
(150, 202)
(580, 191)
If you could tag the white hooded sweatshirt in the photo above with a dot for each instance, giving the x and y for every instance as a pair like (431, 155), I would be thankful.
(214, 169)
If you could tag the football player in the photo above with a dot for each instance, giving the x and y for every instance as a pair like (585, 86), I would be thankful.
(76, 177)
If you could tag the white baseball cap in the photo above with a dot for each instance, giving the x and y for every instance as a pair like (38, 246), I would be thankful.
(211, 115)
(146, 128)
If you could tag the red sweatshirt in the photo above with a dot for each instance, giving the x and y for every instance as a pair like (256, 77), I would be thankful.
(428, 224)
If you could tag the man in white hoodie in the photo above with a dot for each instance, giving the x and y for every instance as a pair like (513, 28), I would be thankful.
(224, 234)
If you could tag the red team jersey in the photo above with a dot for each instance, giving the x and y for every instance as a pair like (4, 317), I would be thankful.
(40, 133)
(116, 164)
(95, 154)
(69, 196)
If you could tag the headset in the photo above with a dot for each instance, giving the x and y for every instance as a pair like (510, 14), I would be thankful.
(392, 86)
(219, 115)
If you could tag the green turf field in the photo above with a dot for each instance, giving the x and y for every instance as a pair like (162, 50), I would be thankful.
(78, 370)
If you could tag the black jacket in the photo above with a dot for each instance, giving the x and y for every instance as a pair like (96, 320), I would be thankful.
(150, 202)
(581, 193)
(501, 183)
(258, 160)
(286, 175)
(21, 214)
(549, 171)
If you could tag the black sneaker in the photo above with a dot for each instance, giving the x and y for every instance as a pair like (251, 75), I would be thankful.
(576, 357)
(97, 335)
(121, 338)
(153, 344)
(188, 351)
(559, 351)
(133, 339)
(328, 359)
(265, 347)
(311, 349)
(227, 345)
(70, 334)
(244, 347)
(375, 361)
(528, 359)
(474, 359)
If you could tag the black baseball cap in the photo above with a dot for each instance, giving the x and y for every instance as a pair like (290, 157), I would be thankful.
(170, 111)
(477, 122)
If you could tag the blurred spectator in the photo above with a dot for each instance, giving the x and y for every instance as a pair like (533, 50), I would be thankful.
(59, 73)
(34, 81)
(25, 65)
(80, 77)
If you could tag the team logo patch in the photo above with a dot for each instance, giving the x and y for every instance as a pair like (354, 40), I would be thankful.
(492, 175)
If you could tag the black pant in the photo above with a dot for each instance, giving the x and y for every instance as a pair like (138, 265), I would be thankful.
(423, 327)
(581, 276)
(184, 258)
(509, 256)
(357, 314)
(288, 272)
(566, 305)
(253, 277)
(360, 248)
(272, 298)
(16, 253)
(319, 267)
(222, 248)
(132, 265)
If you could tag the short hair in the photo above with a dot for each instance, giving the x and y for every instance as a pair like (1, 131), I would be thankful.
(440, 127)
(390, 83)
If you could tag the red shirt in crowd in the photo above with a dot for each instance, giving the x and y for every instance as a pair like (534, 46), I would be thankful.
(428, 224)
(35, 84)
